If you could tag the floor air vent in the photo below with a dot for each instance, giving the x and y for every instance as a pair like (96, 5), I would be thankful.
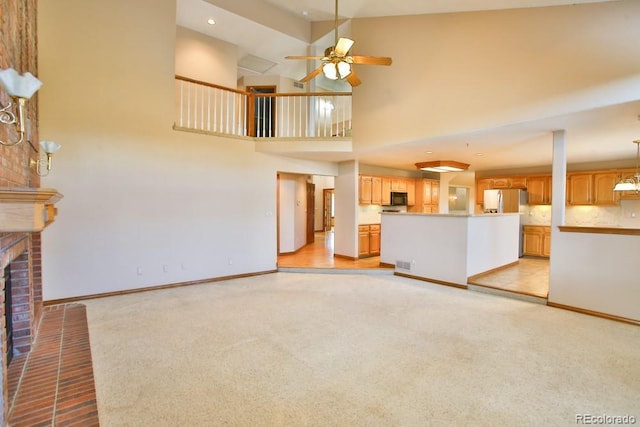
(405, 265)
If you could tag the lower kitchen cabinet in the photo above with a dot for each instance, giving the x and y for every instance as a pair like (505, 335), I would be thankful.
(368, 240)
(537, 240)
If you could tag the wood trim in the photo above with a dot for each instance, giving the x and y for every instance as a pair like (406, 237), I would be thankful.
(346, 257)
(154, 288)
(426, 279)
(599, 230)
(29, 195)
(594, 313)
(387, 265)
(493, 270)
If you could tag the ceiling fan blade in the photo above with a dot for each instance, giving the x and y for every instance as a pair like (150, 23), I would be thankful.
(312, 74)
(353, 79)
(303, 57)
(371, 60)
(343, 46)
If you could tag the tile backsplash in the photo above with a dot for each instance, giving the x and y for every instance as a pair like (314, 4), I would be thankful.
(627, 215)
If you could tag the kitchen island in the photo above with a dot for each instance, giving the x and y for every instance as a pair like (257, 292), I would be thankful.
(449, 248)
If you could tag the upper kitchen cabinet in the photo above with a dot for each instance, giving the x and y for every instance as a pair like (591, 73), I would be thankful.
(580, 189)
(539, 189)
(592, 189)
(365, 184)
(427, 199)
(481, 185)
(386, 191)
(603, 183)
(376, 190)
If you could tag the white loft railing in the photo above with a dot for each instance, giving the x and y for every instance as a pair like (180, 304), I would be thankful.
(211, 108)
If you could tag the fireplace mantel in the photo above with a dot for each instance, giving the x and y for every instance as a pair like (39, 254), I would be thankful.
(24, 209)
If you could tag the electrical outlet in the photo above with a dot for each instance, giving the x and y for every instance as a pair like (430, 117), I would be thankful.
(139, 271)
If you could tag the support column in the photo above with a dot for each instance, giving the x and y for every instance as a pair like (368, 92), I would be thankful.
(559, 179)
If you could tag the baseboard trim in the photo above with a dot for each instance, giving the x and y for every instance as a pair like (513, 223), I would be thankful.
(595, 313)
(493, 270)
(437, 282)
(153, 288)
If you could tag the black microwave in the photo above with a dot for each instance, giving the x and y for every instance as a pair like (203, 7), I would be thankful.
(398, 198)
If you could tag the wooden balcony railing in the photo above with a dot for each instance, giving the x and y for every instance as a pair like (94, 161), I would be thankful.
(210, 108)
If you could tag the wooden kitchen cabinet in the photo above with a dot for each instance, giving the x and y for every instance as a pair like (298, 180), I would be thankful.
(399, 184)
(537, 240)
(411, 192)
(539, 189)
(368, 240)
(427, 196)
(580, 189)
(519, 182)
(365, 184)
(501, 183)
(386, 191)
(376, 190)
(603, 183)
(481, 185)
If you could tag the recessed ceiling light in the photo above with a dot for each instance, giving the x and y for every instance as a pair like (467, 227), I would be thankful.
(428, 152)
(211, 21)
(479, 154)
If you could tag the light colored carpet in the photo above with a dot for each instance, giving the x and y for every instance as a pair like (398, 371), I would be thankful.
(290, 349)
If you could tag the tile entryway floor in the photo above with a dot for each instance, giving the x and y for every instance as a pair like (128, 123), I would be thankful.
(529, 277)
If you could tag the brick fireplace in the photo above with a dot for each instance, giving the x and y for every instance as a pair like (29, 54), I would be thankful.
(24, 212)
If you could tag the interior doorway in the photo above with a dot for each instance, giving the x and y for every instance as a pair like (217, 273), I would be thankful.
(311, 212)
(262, 111)
(328, 195)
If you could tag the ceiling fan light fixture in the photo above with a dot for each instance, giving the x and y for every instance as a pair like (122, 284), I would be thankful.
(330, 71)
(344, 69)
(442, 166)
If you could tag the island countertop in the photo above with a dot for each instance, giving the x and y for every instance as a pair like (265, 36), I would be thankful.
(449, 215)
(599, 230)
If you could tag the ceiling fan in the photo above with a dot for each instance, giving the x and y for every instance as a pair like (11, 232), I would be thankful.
(337, 64)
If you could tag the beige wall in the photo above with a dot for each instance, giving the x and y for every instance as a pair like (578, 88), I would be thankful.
(204, 58)
(468, 71)
(144, 205)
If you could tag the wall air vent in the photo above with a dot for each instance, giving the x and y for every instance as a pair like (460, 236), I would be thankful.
(405, 265)
(298, 85)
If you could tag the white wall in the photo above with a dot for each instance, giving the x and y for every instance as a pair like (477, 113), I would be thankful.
(140, 197)
(293, 212)
(598, 272)
(551, 60)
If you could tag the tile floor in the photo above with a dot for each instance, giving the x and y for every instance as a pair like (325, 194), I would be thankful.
(529, 277)
(53, 384)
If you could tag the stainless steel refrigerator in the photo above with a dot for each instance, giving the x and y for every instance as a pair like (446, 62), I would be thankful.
(510, 200)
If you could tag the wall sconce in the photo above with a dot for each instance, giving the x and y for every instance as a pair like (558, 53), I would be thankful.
(49, 148)
(20, 88)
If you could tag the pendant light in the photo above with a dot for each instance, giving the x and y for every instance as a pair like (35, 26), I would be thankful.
(631, 183)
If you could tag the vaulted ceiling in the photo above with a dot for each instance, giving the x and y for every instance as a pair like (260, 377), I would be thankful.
(273, 29)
